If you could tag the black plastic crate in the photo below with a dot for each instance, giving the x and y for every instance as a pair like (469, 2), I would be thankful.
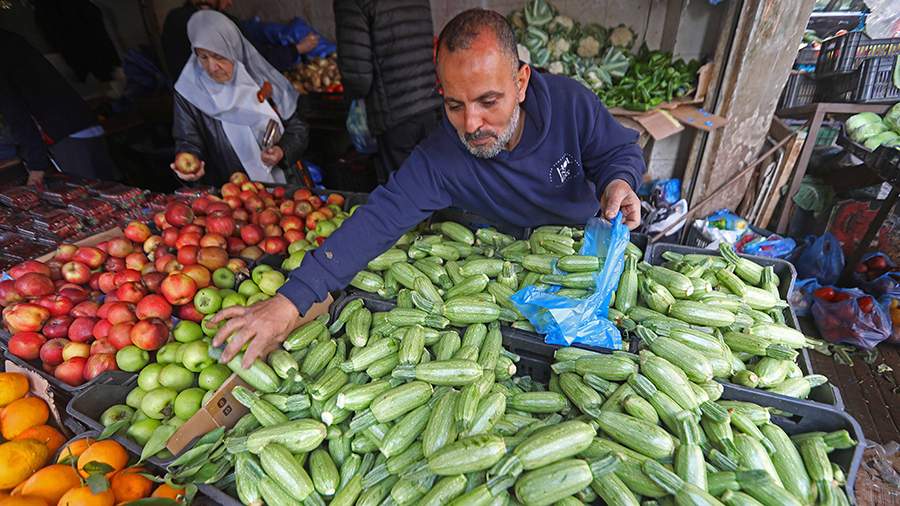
(796, 416)
(845, 53)
(799, 90)
(807, 58)
(871, 83)
(113, 377)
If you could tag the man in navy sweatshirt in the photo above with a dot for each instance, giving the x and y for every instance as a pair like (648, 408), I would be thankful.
(523, 148)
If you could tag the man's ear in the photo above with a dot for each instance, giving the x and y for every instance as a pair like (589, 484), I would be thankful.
(523, 76)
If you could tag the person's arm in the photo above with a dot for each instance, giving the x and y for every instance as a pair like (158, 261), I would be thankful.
(23, 129)
(354, 48)
(410, 196)
(613, 160)
(295, 137)
(187, 135)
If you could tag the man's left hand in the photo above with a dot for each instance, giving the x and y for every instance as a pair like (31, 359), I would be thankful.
(271, 156)
(618, 196)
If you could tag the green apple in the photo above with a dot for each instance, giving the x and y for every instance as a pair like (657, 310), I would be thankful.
(335, 209)
(207, 300)
(258, 272)
(167, 354)
(248, 287)
(311, 236)
(134, 397)
(116, 413)
(148, 378)
(257, 298)
(175, 421)
(187, 331)
(196, 356)
(338, 221)
(207, 397)
(131, 358)
(138, 415)
(188, 402)
(270, 282)
(233, 299)
(298, 245)
(353, 209)
(208, 328)
(157, 404)
(325, 228)
(292, 262)
(212, 376)
(223, 278)
(141, 431)
(176, 377)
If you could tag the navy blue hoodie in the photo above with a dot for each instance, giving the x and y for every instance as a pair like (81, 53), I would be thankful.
(570, 149)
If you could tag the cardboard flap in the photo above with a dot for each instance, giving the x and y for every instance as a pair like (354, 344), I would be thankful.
(40, 387)
(698, 118)
(222, 410)
(660, 124)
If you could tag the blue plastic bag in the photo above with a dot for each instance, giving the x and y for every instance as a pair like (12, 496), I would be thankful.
(564, 320)
(358, 128)
(773, 246)
(886, 284)
(849, 322)
(822, 259)
(287, 34)
(801, 297)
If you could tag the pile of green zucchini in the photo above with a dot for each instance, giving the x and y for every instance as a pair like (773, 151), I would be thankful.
(724, 313)
(397, 407)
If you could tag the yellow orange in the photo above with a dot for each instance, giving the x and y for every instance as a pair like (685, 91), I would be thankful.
(74, 449)
(19, 460)
(45, 434)
(168, 492)
(108, 452)
(13, 385)
(50, 483)
(82, 496)
(129, 485)
(23, 500)
(22, 414)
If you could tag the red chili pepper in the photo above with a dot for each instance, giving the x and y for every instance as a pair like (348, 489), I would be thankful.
(825, 293)
(264, 92)
(840, 297)
(867, 304)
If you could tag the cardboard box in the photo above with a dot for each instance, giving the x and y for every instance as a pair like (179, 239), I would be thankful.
(40, 387)
(223, 410)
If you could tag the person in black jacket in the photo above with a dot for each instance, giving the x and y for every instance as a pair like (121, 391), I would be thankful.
(225, 99)
(386, 56)
(46, 116)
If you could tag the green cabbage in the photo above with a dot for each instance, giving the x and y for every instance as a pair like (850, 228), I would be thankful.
(892, 118)
(863, 133)
(883, 138)
(856, 121)
(538, 13)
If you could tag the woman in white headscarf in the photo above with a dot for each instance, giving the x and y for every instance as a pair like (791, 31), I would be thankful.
(225, 97)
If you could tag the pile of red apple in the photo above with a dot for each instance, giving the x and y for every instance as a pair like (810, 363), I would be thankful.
(53, 309)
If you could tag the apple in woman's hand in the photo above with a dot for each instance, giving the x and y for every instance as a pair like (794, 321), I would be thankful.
(187, 163)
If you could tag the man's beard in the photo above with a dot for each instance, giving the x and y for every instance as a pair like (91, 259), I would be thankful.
(493, 149)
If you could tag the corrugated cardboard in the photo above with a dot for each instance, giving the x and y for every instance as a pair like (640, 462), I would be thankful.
(40, 387)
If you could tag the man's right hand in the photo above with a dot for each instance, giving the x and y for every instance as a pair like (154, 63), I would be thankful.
(265, 325)
(189, 177)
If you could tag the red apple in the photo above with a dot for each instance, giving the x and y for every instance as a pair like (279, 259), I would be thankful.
(230, 190)
(169, 236)
(199, 221)
(278, 192)
(136, 261)
(233, 202)
(107, 282)
(58, 305)
(254, 203)
(65, 252)
(237, 178)
(272, 230)
(51, 351)
(71, 371)
(315, 202)
(213, 240)
(25, 317)
(119, 312)
(127, 276)
(291, 222)
(90, 256)
(293, 235)
(237, 265)
(178, 288)
(120, 335)
(149, 334)
(73, 349)
(251, 234)
(8, 293)
(32, 284)
(240, 215)
(131, 292)
(26, 345)
(137, 232)
(268, 201)
(114, 264)
(189, 312)
(57, 326)
(187, 239)
(251, 253)
(313, 218)
(161, 260)
(102, 346)
(86, 308)
(172, 266)
(212, 257)
(303, 208)
(55, 267)
(274, 245)
(245, 195)
(287, 207)
(120, 247)
(153, 242)
(187, 255)
(152, 280)
(81, 330)
(200, 205)
(159, 219)
(302, 194)
(187, 163)
(218, 209)
(19, 270)
(336, 199)
(101, 329)
(192, 229)
(74, 293)
(235, 245)
(98, 364)
(179, 214)
(268, 217)
(200, 274)
(153, 306)
(76, 272)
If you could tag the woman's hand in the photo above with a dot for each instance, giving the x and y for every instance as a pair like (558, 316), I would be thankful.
(271, 156)
(35, 178)
(200, 172)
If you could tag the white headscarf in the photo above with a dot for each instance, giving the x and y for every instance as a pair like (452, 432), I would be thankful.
(235, 103)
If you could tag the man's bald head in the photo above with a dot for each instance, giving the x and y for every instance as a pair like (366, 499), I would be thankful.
(469, 25)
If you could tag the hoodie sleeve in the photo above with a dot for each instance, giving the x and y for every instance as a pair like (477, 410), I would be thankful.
(610, 151)
(411, 195)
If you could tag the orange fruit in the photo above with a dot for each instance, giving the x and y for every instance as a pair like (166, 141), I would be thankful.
(82, 496)
(45, 434)
(74, 449)
(19, 460)
(129, 485)
(13, 385)
(22, 414)
(50, 483)
(23, 500)
(164, 490)
(107, 452)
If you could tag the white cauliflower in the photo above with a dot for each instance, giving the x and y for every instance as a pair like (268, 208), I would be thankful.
(556, 67)
(562, 24)
(559, 46)
(588, 47)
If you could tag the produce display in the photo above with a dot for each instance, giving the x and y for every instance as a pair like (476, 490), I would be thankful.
(600, 58)
(872, 130)
(320, 75)
(41, 468)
